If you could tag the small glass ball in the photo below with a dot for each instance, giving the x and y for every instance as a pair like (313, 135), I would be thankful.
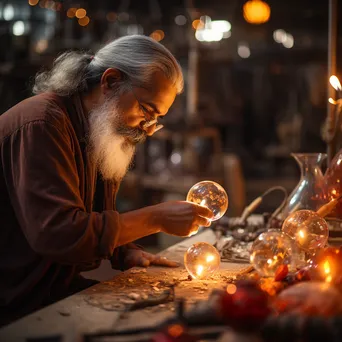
(211, 195)
(271, 250)
(308, 229)
(201, 260)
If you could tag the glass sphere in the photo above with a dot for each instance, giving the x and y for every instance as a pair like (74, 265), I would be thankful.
(271, 250)
(211, 195)
(308, 229)
(201, 260)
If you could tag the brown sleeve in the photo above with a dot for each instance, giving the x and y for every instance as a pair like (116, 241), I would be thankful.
(43, 183)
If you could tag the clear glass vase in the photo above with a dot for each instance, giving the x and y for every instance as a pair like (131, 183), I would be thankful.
(333, 184)
(310, 190)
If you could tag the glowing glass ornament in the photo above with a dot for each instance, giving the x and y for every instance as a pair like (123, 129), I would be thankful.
(307, 228)
(271, 250)
(211, 195)
(201, 260)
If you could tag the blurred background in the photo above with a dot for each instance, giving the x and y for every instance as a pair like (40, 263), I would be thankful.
(255, 86)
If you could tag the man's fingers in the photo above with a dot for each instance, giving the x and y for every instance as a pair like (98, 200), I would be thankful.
(137, 261)
(162, 261)
(144, 262)
(204, 212)
(202, 221)
(194, 230)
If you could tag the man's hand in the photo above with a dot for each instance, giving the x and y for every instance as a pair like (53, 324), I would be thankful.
(181, 218)
(139, 258)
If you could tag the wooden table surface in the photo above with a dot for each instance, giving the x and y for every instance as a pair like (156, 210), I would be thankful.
(99, 307)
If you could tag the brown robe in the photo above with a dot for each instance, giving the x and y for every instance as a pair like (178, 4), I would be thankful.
(49, 228)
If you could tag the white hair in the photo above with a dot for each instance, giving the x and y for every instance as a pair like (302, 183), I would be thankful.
(108, 148)
(137, 57)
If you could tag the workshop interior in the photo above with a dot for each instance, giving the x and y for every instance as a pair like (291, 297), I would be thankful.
(255, 136)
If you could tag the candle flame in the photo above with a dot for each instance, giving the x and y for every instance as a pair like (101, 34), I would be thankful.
(332, 101)
(328, 279)
(326, 266)
(210, 258)
(199, 270)
(334, 81)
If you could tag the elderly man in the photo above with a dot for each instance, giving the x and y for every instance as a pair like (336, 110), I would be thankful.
(63, 155)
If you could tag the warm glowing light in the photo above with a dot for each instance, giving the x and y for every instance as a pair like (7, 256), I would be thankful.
(210, 258)
(175, 330)
(33, 2)
(301, 234)
(256, 11)
(231, 289)
(332, 101)
(157, 35)
(71, 12)
(197, 24)
(111, 16)
(269, 261)
(334, 192)
(199, 270)
(328, 279)
(80, 13)
(334, 81)
(327, 267)
(84, 21)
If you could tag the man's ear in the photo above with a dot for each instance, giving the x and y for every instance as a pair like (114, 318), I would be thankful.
(111, 79)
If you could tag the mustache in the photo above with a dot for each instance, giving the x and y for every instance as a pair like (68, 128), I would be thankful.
(136, 135)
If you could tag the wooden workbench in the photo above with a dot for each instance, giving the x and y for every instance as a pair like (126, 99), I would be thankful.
(100, 307)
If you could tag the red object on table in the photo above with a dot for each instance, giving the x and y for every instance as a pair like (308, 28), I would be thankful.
(173, 333)
(248, 306)
(281, 273)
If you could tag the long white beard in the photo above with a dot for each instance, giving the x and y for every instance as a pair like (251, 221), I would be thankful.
(109, 150)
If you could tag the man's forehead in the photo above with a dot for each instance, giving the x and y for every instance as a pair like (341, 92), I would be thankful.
(160, 91)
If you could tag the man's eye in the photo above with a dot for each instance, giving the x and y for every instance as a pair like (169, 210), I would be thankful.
(144, 109)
